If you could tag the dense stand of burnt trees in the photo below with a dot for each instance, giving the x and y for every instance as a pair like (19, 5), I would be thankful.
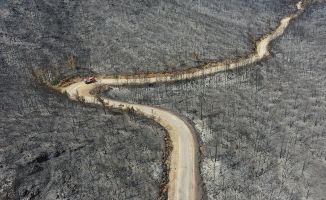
(54, 148)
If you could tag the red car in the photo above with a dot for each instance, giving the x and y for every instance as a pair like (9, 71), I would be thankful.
(90, 80)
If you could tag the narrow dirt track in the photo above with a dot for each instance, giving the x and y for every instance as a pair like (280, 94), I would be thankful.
(184, 178)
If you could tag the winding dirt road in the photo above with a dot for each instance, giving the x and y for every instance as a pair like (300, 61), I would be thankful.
(184, 180)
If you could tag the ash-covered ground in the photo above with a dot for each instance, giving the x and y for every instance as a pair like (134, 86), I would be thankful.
(52, 148)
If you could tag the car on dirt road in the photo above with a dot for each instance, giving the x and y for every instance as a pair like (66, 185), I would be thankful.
(90, 80)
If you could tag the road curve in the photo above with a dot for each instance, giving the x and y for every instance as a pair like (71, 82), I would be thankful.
(184, 172)
(184, 177)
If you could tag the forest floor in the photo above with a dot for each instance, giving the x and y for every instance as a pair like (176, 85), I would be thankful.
(273, 110)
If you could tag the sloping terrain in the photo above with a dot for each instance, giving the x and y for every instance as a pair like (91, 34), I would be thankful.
(56, 39)
(52, 148)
